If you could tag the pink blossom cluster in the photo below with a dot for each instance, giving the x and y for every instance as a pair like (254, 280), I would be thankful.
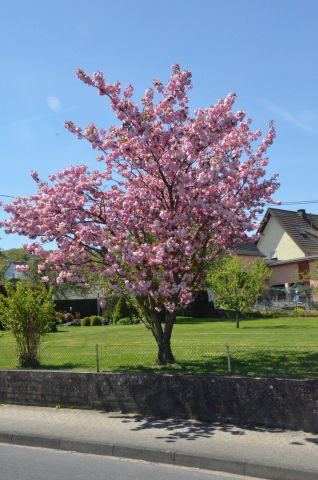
(175, 191)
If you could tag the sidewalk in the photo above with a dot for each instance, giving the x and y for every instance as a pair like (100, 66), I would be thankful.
(264, 453)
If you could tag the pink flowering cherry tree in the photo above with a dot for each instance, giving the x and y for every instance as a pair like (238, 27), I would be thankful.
(173, 190)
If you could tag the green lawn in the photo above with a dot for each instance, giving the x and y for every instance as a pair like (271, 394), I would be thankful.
(282, 346)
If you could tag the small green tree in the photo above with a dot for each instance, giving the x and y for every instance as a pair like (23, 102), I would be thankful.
(236, 283)
(27, 311)
(3, 266)
(122, 309)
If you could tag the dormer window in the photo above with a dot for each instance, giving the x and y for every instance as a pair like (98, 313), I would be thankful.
(300, 230)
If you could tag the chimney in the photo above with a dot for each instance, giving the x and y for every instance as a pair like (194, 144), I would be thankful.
(302, 213)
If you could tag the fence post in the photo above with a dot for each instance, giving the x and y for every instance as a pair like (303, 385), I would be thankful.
(228, 359)
(97, 358)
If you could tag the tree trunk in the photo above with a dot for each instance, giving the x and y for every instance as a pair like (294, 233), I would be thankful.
(237, 320)
(163, 337)
(170, 321)
(160, 329)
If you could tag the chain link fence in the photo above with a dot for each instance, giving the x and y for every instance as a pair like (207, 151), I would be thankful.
(282, 298)
(269, 360)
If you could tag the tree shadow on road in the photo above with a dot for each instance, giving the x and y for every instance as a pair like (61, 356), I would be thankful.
(172, 430)
(312, 440)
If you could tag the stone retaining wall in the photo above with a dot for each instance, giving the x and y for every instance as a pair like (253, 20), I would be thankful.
(269, 402)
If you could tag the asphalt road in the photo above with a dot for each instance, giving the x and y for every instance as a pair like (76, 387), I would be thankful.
(28, 463)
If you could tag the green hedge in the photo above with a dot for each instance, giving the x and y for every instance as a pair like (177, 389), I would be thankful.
(128, 321)
(95, 320)
(85, 322)
(91, 321)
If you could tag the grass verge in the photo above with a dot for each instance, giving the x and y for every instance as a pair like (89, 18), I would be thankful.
(280, 347)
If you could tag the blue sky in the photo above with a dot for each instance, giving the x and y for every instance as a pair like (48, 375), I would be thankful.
(265, 51)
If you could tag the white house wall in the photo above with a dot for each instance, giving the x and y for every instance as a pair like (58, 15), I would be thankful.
(275, 239)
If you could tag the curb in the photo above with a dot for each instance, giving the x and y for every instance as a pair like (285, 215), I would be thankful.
(169, 457)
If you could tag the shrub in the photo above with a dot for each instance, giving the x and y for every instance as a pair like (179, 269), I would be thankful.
(56, 320)
(52, 325)
(122, 310)
(305, 313)
(85, 322)
(95, 320)
(27, 311)
(128, 321)
(68, 317)
(292, 313)
(2, 322)
(59, 316)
